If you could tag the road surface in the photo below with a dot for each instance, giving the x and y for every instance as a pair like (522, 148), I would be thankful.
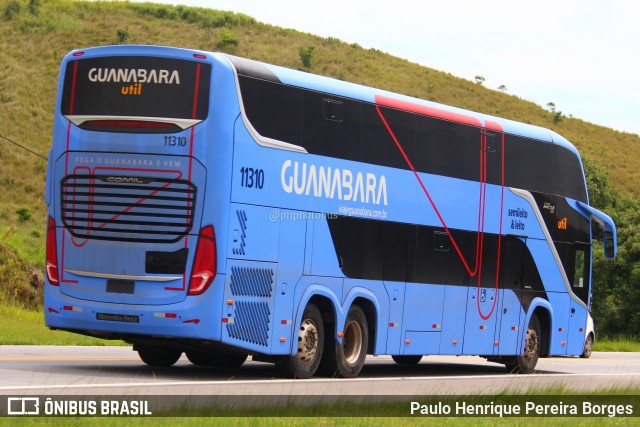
(53, 370)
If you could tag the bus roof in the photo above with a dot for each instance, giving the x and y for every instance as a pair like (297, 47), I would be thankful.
(368, 94)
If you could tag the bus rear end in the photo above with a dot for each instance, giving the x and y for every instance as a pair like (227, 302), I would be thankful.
(130, 254)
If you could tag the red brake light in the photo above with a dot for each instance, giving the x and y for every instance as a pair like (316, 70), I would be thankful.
(52, 254)
(204, 262)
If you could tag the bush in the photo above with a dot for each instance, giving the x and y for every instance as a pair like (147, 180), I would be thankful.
(23, 214)
(228, 39)
(306, 56)
(122, 35)
(12, 9)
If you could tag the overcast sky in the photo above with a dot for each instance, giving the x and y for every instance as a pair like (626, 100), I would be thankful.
(582, 55)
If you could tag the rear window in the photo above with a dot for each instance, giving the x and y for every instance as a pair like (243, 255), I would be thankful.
(132, 86)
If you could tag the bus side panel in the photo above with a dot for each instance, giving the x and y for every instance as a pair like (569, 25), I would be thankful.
(291, 259)
(422, 320)
(453, 319)
(561, 303)
(509, 328)
(324, 260)
(577, 326)
(395, 292)
(480, 323)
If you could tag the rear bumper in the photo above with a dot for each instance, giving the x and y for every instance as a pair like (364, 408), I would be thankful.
(196, 317)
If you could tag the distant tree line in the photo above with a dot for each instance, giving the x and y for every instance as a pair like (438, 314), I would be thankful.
(616, 284)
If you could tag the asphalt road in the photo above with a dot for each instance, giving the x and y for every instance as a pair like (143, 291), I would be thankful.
(52, 370)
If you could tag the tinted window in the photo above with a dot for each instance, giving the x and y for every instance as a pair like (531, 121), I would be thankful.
(333, 126)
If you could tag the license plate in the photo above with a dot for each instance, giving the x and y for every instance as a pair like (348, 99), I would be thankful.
(118, 317)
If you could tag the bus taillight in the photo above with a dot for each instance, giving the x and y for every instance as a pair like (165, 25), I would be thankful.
(204, 262)
(52, 255)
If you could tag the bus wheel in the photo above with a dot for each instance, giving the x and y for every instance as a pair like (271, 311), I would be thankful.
(216, 360)
(588, 347)
(407, 360)
(310, 344)
(347, 359)
(154, 356)
(526, 363)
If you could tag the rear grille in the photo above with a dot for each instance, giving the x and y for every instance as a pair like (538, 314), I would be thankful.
(127, 208)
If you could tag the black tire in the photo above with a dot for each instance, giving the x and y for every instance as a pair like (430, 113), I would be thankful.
(588, 347)
(526, 362)
(310, 344)
(407, 360)
(162, 357)
(216, 360)
(346, 359)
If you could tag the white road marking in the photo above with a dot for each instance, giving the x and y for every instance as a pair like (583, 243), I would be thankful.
(313, 380)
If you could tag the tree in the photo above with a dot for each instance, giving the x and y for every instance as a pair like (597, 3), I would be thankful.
(306, 56)
(551, 106)
(502, 88)
(479, 79)
(122, 35)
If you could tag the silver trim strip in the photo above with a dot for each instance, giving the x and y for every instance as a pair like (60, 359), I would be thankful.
(261, 140)
(534, 206)
(181, 123)
(123, 276)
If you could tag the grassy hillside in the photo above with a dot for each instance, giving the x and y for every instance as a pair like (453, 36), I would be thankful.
(35, 35)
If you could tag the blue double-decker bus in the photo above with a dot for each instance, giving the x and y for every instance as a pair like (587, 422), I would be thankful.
(220, 207)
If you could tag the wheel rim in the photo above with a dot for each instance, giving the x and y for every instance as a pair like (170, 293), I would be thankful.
(531, 348)
(352, 342)
(307, 341)
(588, 346)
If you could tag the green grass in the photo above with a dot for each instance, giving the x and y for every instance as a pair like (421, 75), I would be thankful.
(322, 421)
(617, 343)
(26, 327)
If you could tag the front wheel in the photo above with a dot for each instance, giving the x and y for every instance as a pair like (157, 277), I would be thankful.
(526, 363)
(346, 359)
(158, 356)
(310, 344)
(588, 347)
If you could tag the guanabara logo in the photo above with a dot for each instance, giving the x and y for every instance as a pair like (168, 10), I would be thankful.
(133, 75)
(333, 183)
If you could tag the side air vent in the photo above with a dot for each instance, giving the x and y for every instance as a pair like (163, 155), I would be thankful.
(251, 323)
(251, 281)
(127, 208)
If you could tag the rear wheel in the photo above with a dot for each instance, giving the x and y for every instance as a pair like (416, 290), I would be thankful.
(526, 363)
(216, 360)
(158, 356)
(407, 360)
(309, 346)
(346, 359)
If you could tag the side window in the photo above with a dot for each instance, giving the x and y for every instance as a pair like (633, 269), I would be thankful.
(581, 272)
(579, 275)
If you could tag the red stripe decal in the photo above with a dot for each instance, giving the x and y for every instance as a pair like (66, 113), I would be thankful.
(195, 94)
(73, 87)
(385, 101)
(459, 118)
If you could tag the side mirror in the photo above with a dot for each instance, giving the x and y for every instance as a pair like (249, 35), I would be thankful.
(609, 246)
